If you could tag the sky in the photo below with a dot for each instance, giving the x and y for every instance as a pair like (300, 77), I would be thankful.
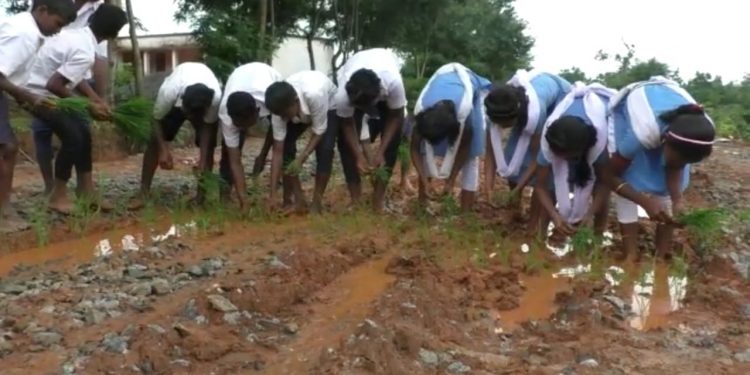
(691, 35)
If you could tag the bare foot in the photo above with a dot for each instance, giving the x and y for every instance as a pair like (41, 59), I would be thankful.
(137, 202)
(103, 205)
(61, 206)
(316, 208)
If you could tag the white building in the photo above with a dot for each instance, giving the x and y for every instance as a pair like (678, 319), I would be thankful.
(162, 52)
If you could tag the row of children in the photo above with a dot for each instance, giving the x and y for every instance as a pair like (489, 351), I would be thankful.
(573, 143)
(564, 140)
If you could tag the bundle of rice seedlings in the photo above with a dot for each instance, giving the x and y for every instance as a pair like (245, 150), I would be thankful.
(74, 105)
(133, 118)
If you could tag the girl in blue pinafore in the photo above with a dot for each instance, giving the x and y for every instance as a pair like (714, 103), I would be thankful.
(657, 130)
(574, 153)
(449, 123)
(522, 105)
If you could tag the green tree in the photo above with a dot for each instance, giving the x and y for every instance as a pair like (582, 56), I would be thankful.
(574, 74)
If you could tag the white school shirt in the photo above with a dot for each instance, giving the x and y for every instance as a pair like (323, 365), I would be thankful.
(385, 65)
(82, 21)
(254, 79)
(183, 76)
(71, 53)
(316, 93)
(20, 39)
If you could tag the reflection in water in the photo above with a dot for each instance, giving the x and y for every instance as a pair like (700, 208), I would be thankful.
(643, 290)
(677, 291)
(103, 248)
(614, 275)
(572, 271)
(563, 249)
(129, 243)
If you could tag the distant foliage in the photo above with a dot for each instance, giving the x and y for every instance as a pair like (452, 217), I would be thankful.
(728, 104)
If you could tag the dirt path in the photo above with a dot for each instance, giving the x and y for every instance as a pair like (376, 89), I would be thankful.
(175, 291)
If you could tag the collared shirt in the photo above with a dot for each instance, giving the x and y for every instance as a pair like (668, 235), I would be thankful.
(316, 93)
(82, 21)
(20, 39)
(183, 76)
(254, 79)
(71, 53)
(385, 65)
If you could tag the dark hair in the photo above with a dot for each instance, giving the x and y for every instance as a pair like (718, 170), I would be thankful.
(63, 8)
(197, 98)
(280, 96)
(689, 121)
(363, 88)
(571, 135)
(507, 102)
(438, 122)
(107, 21)
(241, 104)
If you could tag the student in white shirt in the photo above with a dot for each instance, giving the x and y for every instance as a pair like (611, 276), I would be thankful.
(86, 9)
(97, 79)
(371, 84)
(21, 36)
(241, 107)
(60, 69)
(304, 101)
(191, 93)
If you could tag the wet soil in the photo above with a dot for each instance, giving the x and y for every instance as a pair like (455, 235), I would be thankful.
(347, 292)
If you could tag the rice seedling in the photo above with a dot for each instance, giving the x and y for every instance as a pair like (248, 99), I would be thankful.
(293, 169)
(84, 212)
(133, 119)
(583, 242)
(74, 105)
(450, 207)
(381, 174)
(704, 226)
(679, 267)
(40, 221)
(479, 258)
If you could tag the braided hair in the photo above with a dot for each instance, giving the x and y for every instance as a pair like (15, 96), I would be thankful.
(570, 135)
(506, 102)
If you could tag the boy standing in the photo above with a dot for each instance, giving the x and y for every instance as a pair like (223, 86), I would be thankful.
(60, 68)
(21, 36)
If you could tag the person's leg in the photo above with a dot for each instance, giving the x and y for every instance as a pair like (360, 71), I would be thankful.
(600, 218)
(627, 215)
(170, 126)
(44, 154)
(10, 221)
(469, 184)
(391, 156)
(72, 143)
(290, 153)
(225, 170)
(206, 133)
(324, 160)
(349, 165)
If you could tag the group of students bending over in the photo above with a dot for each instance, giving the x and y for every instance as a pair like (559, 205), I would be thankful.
(573, 143)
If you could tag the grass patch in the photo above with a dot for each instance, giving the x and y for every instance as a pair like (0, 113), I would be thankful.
(41, 222)
(75, 105)
(704, 227)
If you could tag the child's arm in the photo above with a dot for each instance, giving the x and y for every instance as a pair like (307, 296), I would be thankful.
(21, 95)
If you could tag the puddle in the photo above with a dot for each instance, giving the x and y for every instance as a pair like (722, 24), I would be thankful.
(655, 294)
(86, 248)
(537, 303)
(346, 304)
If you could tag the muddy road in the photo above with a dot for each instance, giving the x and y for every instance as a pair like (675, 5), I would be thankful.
(172, 290)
